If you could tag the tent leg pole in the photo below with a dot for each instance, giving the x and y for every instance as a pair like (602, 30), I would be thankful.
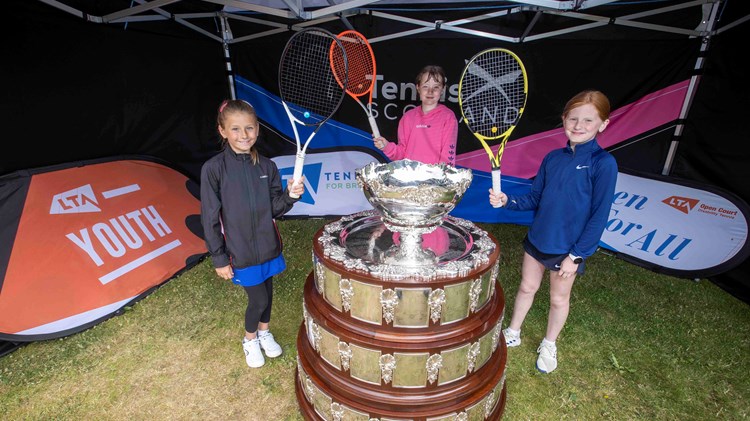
(226, 35)
(694, 81)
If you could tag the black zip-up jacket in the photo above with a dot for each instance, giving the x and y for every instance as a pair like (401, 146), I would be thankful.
(245, 198)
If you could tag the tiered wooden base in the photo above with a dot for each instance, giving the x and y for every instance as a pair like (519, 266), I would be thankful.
(405, 349)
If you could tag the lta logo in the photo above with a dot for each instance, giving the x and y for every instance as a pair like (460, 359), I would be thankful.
(682, 204)
(79, 200)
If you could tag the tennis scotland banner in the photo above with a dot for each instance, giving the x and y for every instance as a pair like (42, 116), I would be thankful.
(642, 119)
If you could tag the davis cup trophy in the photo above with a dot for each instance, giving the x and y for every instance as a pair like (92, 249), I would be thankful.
(412, 199)
(402, 310)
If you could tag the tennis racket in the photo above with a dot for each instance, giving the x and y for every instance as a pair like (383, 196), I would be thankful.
(361, 73)
(310, 93)
(492, 96)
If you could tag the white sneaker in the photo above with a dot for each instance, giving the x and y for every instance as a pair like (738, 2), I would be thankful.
(253, 356)
(270, 346)
(547, 361)
(512, 338)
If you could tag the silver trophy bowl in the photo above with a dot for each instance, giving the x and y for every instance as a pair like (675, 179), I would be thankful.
(412, 199)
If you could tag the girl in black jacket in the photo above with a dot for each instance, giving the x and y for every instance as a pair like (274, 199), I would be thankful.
(241, 194)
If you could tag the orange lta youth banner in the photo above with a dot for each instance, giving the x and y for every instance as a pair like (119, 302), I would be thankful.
(91, 239)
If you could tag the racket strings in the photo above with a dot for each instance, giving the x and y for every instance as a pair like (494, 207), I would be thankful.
(361, 64)
(306, 78)
(493, 93)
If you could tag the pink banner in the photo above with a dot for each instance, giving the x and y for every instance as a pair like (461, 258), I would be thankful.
(522, 157)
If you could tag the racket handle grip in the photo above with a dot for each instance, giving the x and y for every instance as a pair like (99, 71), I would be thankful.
(299, 162)
(496, 183)
(373, 126)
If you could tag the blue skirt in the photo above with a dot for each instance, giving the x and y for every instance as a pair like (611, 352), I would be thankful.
(549, 261)
(254, 275)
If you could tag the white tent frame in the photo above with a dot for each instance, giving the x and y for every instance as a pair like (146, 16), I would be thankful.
(296, 15)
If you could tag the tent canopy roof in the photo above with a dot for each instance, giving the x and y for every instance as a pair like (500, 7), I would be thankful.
(514, 21)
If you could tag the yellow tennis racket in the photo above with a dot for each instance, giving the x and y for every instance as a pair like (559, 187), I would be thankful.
(492, 95)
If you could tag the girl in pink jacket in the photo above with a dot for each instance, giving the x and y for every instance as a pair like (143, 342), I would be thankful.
(427, 133)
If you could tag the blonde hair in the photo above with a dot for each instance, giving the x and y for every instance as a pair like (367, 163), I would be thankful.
(231, 106)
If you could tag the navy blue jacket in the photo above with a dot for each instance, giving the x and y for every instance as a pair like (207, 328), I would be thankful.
(245, 198)
(572, 195)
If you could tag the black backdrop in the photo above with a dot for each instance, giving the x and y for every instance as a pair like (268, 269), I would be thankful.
(74, 90)
(713, 148)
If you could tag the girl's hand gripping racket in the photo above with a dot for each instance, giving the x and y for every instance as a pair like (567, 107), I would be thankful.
(492, 96)
(310, 93)
(361, 73)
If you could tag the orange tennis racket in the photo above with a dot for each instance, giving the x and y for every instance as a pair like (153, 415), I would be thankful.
(361, 78)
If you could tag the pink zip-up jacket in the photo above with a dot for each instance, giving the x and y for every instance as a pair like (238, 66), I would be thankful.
(428, 138)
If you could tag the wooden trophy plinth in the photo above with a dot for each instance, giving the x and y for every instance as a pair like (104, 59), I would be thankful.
(384, 342)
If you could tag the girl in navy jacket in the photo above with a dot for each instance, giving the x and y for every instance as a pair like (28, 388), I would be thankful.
(572, 195)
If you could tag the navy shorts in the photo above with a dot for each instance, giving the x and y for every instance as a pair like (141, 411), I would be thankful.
(551, 262)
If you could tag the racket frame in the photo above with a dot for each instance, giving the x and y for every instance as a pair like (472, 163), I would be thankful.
(358, 39)
(472, 68)
(302, 148)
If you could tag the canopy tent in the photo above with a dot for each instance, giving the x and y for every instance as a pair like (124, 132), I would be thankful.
(122, 77)
(515, 21)
(279, 15)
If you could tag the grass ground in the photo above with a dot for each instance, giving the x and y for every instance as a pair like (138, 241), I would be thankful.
(637, 346)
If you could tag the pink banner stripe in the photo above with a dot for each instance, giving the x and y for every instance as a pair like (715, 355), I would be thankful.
(522, 157)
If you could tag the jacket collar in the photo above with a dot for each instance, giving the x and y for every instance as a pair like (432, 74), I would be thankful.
(589, 147)
(230, 153)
